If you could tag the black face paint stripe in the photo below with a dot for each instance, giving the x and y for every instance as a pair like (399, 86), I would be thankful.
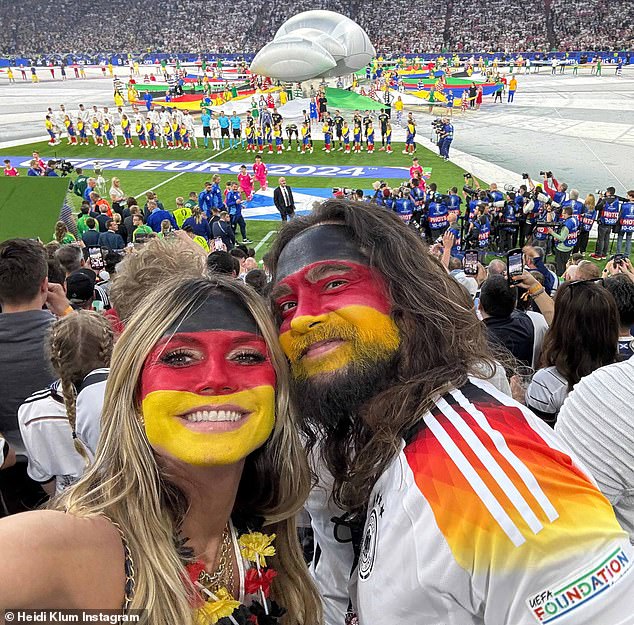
(321, 242)
(221, 311)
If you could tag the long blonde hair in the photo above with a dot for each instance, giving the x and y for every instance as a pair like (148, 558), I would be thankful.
(128, 484)
(590, 202)
(78, 344)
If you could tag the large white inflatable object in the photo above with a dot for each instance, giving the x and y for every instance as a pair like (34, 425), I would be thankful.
(314, 44)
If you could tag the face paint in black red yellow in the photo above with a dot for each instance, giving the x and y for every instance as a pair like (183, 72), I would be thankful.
(335, 308)
(208, 386)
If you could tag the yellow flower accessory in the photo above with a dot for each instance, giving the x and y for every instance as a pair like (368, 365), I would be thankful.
(213, 610)
(256, 547)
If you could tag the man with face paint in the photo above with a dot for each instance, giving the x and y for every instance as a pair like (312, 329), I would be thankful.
(462, 508)
(208, 388)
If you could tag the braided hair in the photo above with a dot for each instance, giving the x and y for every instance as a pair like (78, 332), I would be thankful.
(78, 344)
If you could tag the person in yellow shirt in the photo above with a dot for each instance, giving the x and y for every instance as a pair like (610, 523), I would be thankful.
(283, 97)
(50, 129)
(398, 107)
(10, 75)
(512, 89)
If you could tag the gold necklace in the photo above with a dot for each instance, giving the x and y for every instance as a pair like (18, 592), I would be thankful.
(222, 577)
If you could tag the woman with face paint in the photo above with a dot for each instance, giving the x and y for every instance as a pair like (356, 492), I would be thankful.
(188, 510)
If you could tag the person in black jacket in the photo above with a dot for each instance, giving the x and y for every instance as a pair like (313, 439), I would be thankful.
(222, 229)
(283, 200)
(91, 236)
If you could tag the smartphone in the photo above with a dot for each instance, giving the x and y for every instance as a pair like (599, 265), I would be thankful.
(470, 262)
(95, 258)
(219, 246)
(514, 264)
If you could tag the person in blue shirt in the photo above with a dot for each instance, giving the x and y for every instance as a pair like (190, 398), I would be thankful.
(609, 210)
(454, 230)
(234, 206)
(449, 102)
(205, 199)
(437, 217)
(508, 227)
(148, 100)
(157, 215)
(626, 223)
(312, 109)
(217, 200)
(454, 202)
(481, 231)
(446, 138)
(224, 122)
(403, 205)
(236, 130)
(50, 170)
(586, 221)
(198, 223)
(205, 120)
(418, 196)
(574, 203)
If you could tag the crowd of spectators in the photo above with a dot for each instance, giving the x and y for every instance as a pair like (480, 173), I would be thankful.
(497, 25)
(586, 25)
(550, 334)
(394, 26)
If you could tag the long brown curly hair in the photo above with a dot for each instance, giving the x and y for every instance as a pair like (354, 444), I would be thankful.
(442, 343)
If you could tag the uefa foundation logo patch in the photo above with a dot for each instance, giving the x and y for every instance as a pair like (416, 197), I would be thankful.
(549, 605)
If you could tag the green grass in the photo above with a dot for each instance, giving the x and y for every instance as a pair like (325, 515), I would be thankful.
(168, 186)
(29, 207)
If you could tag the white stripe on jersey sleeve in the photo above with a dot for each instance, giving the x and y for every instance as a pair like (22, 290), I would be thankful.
(492, 466)
(500, 444)
(479, 487)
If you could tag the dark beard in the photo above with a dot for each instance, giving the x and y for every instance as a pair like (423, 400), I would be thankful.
(328, 407)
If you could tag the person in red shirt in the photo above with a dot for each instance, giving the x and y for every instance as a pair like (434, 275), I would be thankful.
(415, 169)
(40, 162)
(8, 170)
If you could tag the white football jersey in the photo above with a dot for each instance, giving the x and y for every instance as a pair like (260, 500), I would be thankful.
(333, 559)
(90, 397)
(485, 517)
(48, 439)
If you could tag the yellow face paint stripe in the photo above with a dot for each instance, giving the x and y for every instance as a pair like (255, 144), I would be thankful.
(371, 326)
(170, 434)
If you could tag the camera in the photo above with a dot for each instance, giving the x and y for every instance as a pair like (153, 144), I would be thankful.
(546, 174)
(556, 226)
(342, 192)
(525, 176)
(437, 124)
(469, 190)
(467, 176)
(509, 188)
(617, 259)
(63, 166)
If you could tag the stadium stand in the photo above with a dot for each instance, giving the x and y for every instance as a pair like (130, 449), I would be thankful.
(236, 26)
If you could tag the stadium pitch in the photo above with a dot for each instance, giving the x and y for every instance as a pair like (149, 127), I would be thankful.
(352, 171)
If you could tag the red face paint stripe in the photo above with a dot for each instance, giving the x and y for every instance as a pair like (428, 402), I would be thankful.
(309, 294)
(215, 362)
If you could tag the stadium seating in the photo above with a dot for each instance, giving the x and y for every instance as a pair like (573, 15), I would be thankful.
(237, 26)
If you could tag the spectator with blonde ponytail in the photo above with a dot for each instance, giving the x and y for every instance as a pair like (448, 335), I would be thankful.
(78, 344)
